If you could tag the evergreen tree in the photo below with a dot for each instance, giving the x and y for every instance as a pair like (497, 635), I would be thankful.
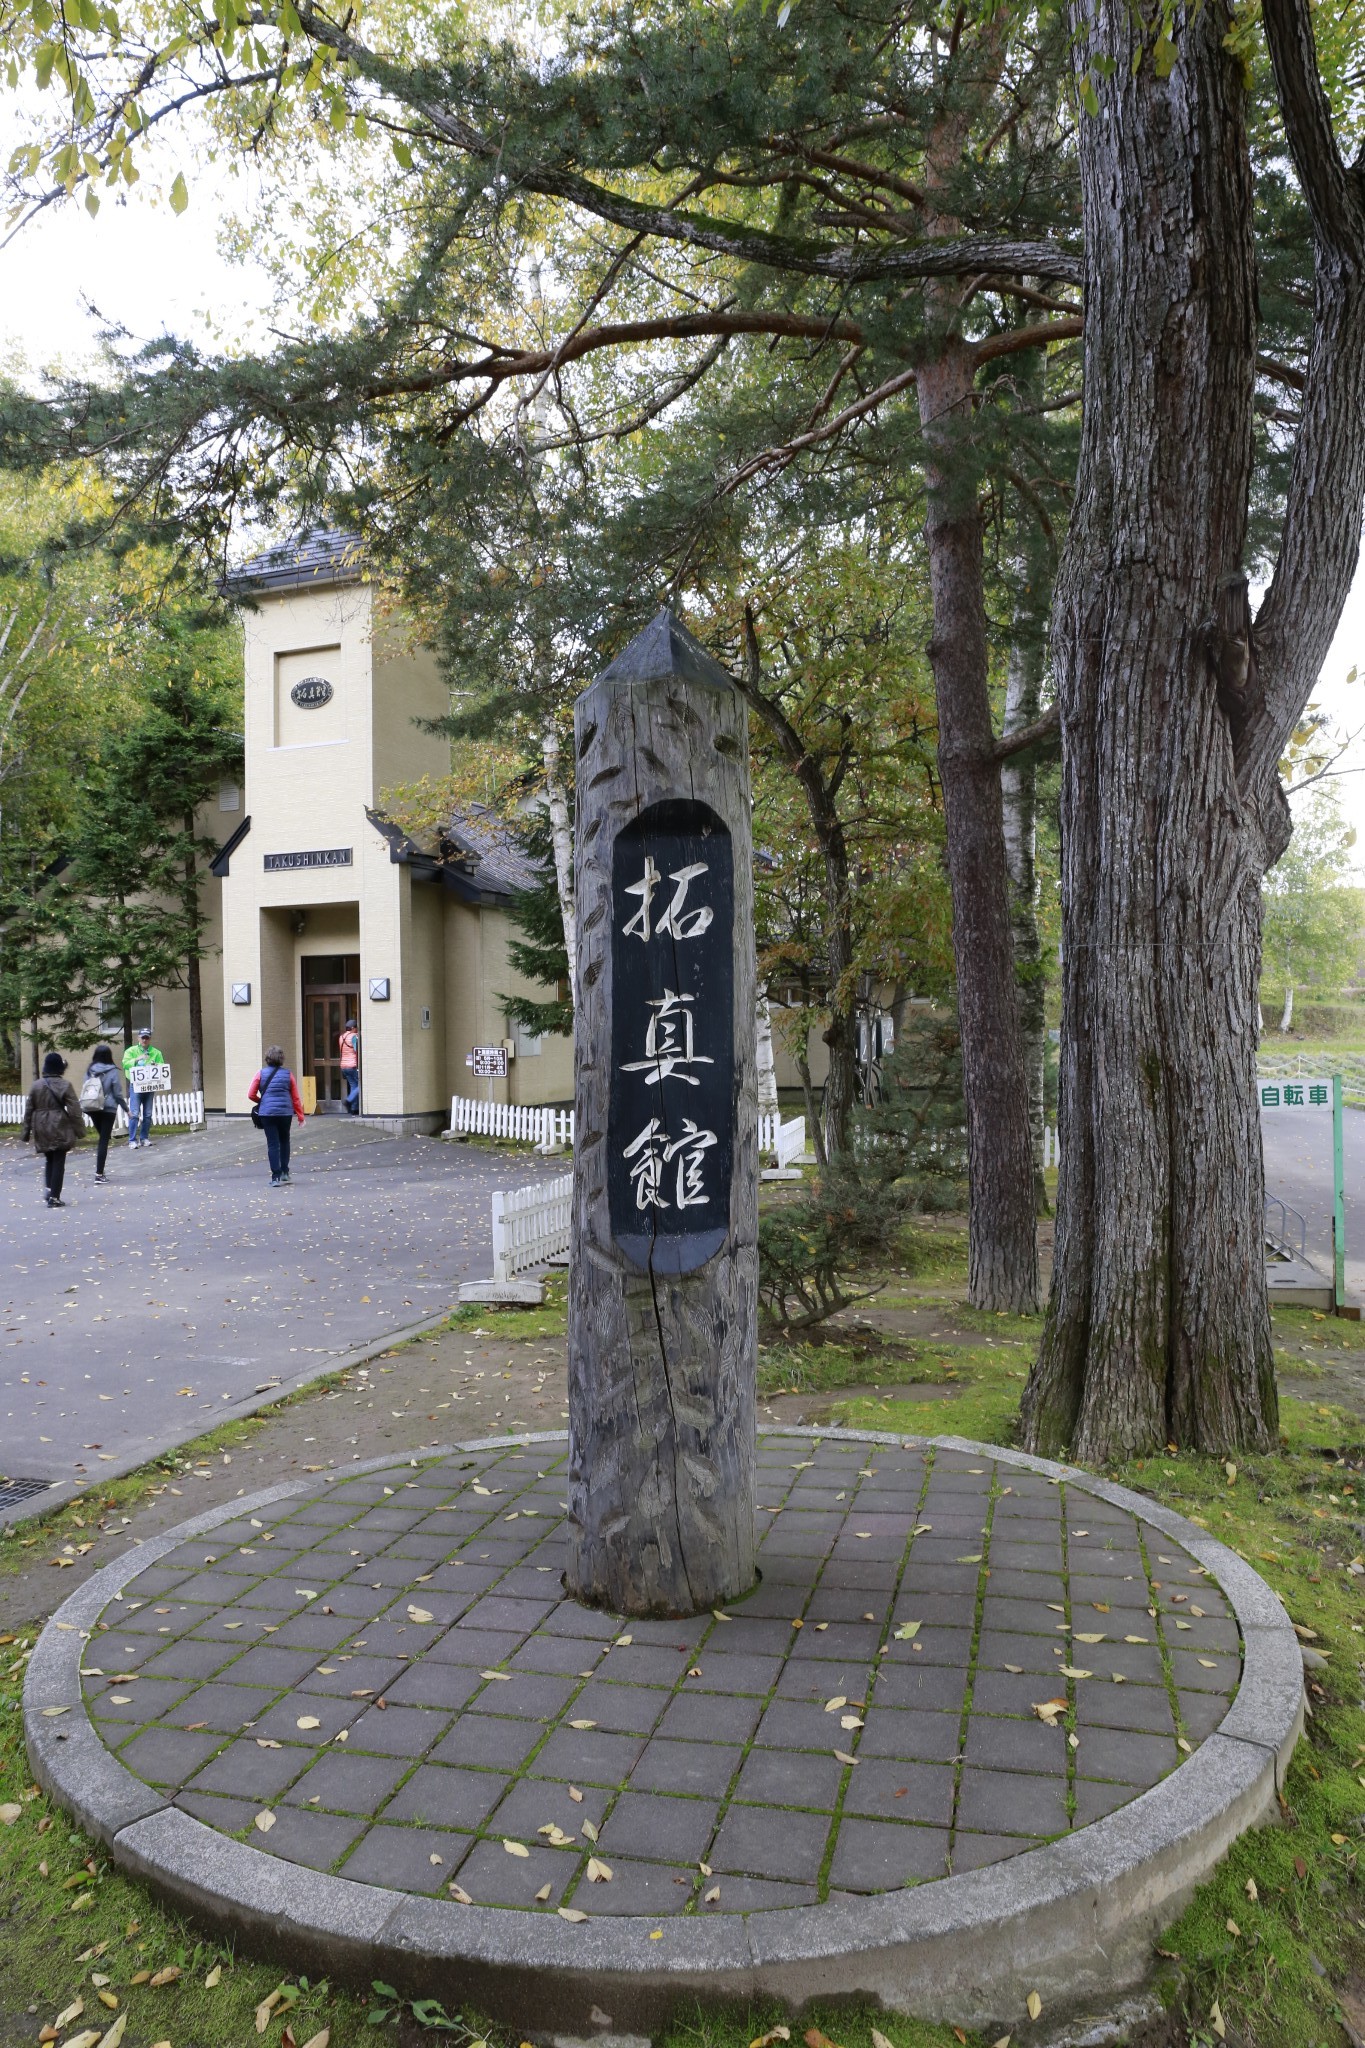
(124, 916)
(540, 952)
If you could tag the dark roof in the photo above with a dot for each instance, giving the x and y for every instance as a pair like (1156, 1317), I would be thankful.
(222, 860)
(485, 839)
(319, 559)
(474, 855)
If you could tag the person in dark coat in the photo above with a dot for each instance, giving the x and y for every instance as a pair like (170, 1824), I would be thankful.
(112, 1099)
(275, 1093)
(53, 1118)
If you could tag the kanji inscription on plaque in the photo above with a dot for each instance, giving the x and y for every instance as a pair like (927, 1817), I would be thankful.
(671, 1126)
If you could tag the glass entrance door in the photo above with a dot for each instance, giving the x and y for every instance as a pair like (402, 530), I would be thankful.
(331, 994)
(325, 1017)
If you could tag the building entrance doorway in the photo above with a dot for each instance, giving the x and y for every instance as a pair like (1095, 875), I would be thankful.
(331, 994)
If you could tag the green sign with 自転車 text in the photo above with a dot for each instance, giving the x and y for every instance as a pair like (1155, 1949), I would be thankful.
(1294, 1094)
(1319, 1094)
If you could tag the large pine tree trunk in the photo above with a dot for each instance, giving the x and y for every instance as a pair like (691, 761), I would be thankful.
(1173, 717)
(1019, 801)
(1002, 1238)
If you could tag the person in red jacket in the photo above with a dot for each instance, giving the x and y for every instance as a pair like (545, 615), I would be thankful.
(275, 1094)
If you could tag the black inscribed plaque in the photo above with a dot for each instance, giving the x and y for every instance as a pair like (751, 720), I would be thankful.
(670, 1131)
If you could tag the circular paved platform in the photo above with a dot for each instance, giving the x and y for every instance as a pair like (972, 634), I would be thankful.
(978, 1730)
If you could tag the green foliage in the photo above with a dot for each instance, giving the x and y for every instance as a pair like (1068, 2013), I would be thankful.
(804, 1259)
(126, 905)
(912, 1143)
(123, 714)
(539, 953)
(1312, 919)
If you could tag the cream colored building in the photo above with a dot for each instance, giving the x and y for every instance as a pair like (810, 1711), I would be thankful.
(328, 911)
(318, 909)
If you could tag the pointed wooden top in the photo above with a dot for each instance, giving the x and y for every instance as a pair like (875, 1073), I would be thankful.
(666, 649)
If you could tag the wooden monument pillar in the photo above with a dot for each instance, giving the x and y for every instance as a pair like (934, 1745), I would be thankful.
(663, 1289)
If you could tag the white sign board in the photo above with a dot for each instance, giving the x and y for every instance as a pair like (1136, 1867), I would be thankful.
(489, 1062)
(150, 1080)
(1303, 1094)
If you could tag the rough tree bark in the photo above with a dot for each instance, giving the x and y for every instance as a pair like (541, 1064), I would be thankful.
(662, 1363)
(820, 785)
(1018, 797)
(1174, 714)
(1002, 1233)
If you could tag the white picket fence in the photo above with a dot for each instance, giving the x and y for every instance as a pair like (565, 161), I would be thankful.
(786, 1140)
(183, 1107)
(175, 1107)
(518, 1122)
(1052, 1151)
(550, 1129)
(531, 1226)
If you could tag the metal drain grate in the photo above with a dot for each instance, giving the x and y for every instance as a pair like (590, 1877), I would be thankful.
(13, 1491)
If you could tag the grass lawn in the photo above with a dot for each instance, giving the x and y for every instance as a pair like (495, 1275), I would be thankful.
(1270, 1954)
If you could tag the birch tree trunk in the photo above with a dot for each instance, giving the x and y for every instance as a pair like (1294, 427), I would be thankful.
(1175, 712)
(763, 1057)
(561, 838)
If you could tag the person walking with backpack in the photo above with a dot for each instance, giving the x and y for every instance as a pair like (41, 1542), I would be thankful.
(275, 1094)
(102, 1098)
(143, 1054)
(55, 1121)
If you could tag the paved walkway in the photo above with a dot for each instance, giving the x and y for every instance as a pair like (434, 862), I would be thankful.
(380, 1677)
(172, 1296)
(1298, 1170)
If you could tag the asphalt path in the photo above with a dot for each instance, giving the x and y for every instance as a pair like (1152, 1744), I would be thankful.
(180, 1291)
(1298, 1170)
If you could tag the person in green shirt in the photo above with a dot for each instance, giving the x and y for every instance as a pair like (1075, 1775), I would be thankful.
(143, 1054)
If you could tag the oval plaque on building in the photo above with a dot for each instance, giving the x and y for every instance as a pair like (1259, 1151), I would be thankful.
(310, 692)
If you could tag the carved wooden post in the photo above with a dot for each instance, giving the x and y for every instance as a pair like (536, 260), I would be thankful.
(664, 1274)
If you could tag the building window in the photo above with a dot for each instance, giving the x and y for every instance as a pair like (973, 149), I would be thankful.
(528, 1043)
(111, 1015)
(229, 796)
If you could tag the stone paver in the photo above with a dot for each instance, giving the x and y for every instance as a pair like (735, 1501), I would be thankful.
(389, 1668)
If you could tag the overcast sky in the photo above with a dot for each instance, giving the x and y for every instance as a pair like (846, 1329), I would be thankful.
(140, 266)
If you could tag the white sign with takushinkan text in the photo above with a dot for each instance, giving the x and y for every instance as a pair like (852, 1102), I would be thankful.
(150, 1080)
